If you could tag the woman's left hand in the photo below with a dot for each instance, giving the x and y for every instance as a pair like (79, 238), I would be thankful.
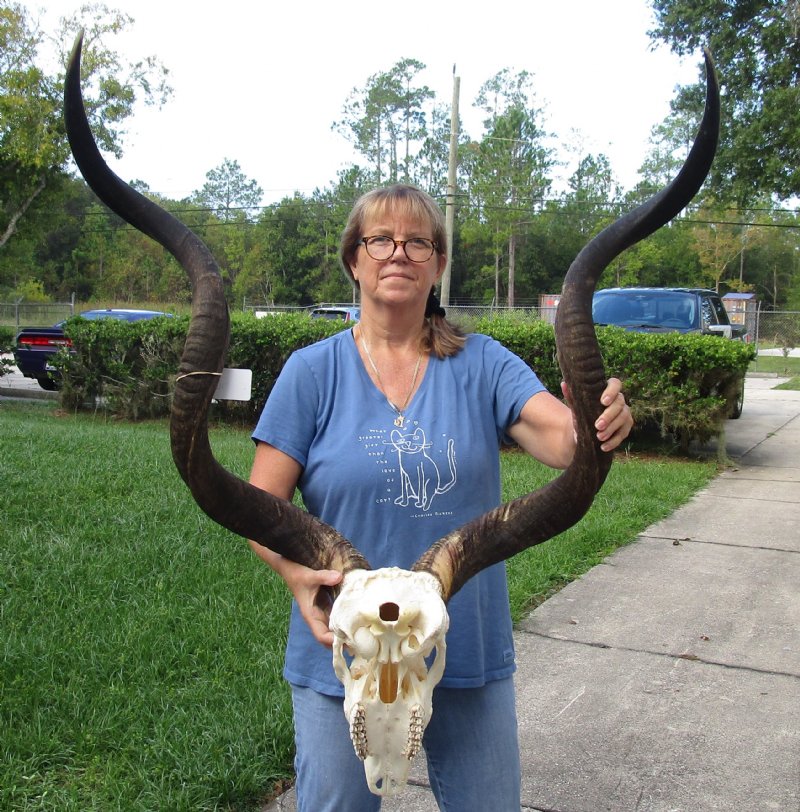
(616, 421)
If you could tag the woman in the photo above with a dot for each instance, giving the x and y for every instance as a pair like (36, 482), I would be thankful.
(391, 431)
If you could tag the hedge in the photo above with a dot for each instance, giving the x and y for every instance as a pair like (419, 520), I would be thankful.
(130, 367)
(6, 347)
(681, 383)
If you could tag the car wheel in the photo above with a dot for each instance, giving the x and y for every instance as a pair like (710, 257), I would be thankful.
(737, 402)
(46, 382)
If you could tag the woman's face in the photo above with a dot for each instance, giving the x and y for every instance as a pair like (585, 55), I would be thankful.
(397, 280)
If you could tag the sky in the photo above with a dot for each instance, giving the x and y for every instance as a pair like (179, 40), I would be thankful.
(262, 83)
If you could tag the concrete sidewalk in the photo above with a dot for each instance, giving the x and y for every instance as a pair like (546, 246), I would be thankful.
(667, 679)
(15, 386)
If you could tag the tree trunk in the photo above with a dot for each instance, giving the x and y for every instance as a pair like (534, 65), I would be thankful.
(512, 260)
(15, 218)
(496, 277)
(741, 260)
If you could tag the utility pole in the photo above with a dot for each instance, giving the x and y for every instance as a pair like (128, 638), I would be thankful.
(450, 205)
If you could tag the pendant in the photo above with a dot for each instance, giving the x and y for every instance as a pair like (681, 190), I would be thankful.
(398, 421)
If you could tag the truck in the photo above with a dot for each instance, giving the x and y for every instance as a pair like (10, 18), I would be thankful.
(670, 310)
(665, 310)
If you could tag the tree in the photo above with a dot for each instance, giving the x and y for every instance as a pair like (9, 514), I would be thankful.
(769, 259)
(592, 195)
(384, 115)
(590, 204)
(409, 108)
(434, 154)
(756, 46)
(27, 119)
(333, 206)
(293, 253)
(670, 142)
(511, 164)
(717, 245)
(284, 264)
(228, 192)
(44, 239)
(113, 261)
(229, 197)
(33, 144)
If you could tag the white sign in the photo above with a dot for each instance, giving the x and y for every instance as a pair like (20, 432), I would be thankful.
(235, 384)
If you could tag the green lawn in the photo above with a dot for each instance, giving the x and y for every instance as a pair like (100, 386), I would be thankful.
(777, 364)
(142, 644)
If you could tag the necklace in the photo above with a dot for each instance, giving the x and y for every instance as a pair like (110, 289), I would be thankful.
(400, 419)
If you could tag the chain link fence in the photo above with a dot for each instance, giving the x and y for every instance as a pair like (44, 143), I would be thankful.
(777, 329)
(261, 308)
(34, 314)
(767, 329)
(771, 329)
(466, 316)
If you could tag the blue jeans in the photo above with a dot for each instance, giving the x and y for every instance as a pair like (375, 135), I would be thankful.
(471, 746)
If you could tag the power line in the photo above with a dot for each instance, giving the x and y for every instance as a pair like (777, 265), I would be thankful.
(735, 223)
(465, 198)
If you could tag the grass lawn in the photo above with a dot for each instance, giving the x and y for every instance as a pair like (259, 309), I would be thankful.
(785, 367)
(142, 645)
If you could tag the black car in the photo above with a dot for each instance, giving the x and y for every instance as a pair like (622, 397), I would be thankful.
(36, 346)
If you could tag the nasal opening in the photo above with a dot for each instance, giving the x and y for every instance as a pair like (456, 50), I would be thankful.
(389, 611)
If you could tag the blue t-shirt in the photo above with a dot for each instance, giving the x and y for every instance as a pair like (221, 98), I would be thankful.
(392, 491)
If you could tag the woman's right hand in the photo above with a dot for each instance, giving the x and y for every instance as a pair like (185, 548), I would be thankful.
(278, 474)
(311, 590)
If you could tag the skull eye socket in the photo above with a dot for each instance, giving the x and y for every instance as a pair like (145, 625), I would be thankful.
(389, 612)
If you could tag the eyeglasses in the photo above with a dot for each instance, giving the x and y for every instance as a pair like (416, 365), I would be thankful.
(418, 249)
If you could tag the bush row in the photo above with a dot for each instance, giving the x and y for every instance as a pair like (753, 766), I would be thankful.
(684, 384)
(6, 347)
(130, 367)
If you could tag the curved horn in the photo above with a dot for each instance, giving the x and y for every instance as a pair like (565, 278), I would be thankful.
(561, 503)
(228, 500)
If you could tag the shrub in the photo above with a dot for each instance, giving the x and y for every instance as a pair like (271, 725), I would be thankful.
(264, 345)
(6, 346)
(684, 384)
(130, 367)
(533, 341)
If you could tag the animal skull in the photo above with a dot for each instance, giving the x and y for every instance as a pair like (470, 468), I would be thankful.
(388, 621)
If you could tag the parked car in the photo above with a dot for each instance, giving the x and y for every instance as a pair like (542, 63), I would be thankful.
(670, 310)
(345, 313)
(665, 310)
(36, 346)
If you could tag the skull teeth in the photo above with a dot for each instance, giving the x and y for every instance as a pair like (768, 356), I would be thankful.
(416, 725)
(358, 731)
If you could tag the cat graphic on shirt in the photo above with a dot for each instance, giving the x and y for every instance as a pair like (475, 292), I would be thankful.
(420, 480)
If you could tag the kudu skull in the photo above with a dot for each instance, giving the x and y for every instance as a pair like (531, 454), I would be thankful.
(389, 621)
(389, 625)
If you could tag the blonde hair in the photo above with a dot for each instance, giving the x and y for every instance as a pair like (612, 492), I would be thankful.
(440, 337)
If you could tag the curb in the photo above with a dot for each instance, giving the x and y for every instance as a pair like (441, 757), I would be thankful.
(27, 394)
